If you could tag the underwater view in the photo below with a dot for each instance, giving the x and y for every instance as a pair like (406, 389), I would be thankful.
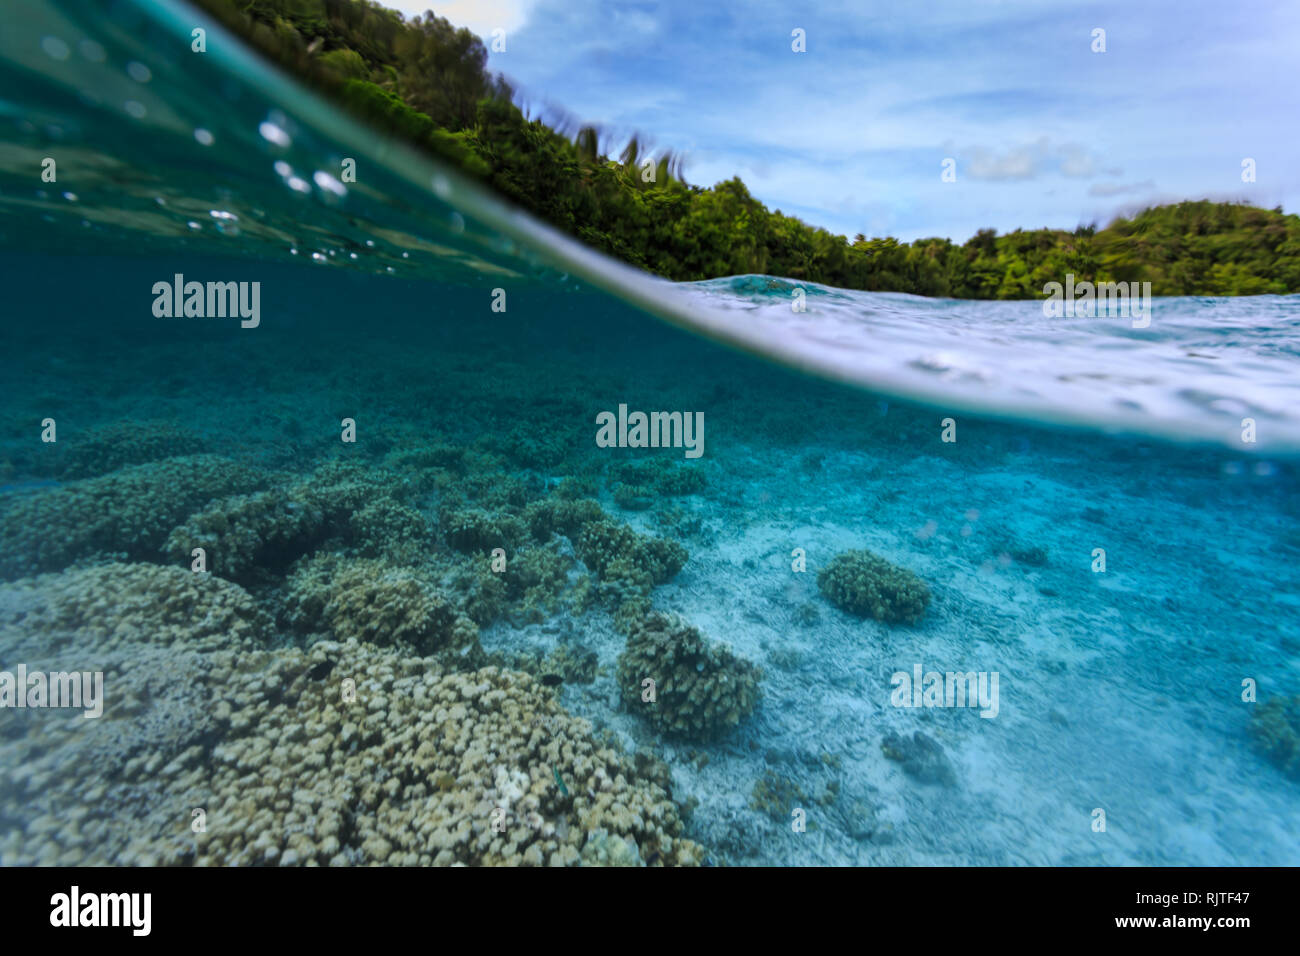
(351, 514)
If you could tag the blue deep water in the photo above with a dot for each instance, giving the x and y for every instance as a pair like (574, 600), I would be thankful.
(1094, 520)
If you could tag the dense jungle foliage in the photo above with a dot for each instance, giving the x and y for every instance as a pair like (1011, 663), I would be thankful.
(427, 82)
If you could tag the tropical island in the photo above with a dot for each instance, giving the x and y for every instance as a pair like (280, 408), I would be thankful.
(426, 81)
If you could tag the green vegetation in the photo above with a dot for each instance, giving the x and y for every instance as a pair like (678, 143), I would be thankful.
(425, 81)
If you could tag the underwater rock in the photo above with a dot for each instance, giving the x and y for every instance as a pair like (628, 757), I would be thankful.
(867, 585)
(129, 512)
(702, 690)
(921, 756)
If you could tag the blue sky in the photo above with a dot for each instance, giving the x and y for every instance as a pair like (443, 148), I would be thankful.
(852, 134)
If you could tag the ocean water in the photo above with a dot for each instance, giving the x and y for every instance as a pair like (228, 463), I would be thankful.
(1105, 518)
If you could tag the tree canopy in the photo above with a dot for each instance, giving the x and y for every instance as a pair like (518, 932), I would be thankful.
(426, 81)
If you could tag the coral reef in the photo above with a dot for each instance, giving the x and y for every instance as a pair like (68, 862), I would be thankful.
(660, 476)
(246, 534)
(129, 511)
(376, 602)
(343, 754)
(702, 689)
(602, 849)
(129, 603)
(775, 796)
(567, 664)
(633, 497)
(386, 528)
(535, 578)
(111, 446)
(477, 531)
(557, 515)
(480, 590)
(615, 550)
(341, 712)
(867, 585)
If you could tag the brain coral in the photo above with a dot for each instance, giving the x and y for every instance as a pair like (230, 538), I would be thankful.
(867, 585)
(702, 689)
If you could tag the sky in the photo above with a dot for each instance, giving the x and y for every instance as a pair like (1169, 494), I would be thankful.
(853, 133)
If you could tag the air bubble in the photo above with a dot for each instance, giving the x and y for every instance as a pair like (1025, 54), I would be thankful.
(204, 137)
(274, 134)
(139, 72)
(328, 183)
(55, 48)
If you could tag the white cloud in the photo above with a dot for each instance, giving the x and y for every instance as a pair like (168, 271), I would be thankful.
(1105, 190)
(480, 16)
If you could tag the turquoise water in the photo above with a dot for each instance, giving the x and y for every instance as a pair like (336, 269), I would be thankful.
(351, 679)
